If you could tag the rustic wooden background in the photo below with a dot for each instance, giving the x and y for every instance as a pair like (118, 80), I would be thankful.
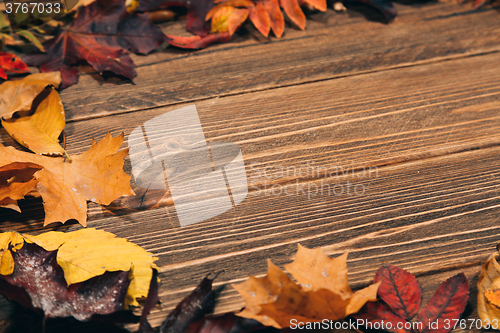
(417, 99)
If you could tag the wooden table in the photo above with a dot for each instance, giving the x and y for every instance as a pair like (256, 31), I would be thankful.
(417, 100)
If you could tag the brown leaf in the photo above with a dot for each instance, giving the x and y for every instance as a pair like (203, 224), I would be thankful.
(17, 96)
(96, 175)
(40, 131)
(323, 291)
(16, 181)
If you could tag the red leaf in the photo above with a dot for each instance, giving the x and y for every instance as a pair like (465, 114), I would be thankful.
(400, 290)
(10, 62)
(102, 34)
(198, 42)
(197, 11)
(260, 18)
(448, 302)
(375, 314)
(293, 11)
(276, 17)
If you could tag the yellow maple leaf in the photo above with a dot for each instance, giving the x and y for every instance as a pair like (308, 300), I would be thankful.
(16, 181)
(96, 175)
(40, 131)
(322, 292)
(18, 96)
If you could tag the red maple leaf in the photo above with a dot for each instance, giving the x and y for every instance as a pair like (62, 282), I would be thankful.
(11, 63)
(102, 34)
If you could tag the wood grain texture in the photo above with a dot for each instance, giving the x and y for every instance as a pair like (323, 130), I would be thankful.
(334, 45)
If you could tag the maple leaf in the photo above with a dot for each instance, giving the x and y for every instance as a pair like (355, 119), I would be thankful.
(102, 34)
(10, 62)
(96, 175)
(323, 291)
(400, 296)
(16, 181)
(40, 131)
(44, 272)
(488, 300)
(18, 96)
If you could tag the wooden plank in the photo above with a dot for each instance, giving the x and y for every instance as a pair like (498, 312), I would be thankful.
(334, 45)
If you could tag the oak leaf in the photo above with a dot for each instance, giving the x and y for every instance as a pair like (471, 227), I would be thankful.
(44, 272)
(40, 131)
(96, 175)
(488, 305)
(323, 291)
(18, 96)
(102, 34)
(11, 63)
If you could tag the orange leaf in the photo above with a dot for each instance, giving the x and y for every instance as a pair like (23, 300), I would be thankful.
(228, 19)
(276, 17)
(318, 4)
(236, 19)
(12, 63)
(260, 18)
(16, 181)
(323, 291)
(198, 42)
(293, 11)
(96, 175)
(231, 3)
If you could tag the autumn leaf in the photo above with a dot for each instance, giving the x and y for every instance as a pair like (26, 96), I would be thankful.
(11, 63)
(198, 42)
(96, 175)
(18, 96)
(447, 303)
(488, 304)
(44, 272)
(322, 291)
(400, 290)
(16, 181)
(102, 34)
(40, 131)
(400, 298)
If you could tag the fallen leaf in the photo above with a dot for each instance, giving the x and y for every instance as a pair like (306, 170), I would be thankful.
(192, 308)
(276, 17)
(96, 175)
(323, 291)
(447, 304)
(228, 19)
(38, 274)
(379, 314)
(16, 181)
(198, 42)
(294, 13)
(18, 96)
(10, 62)
(40, 131)
(102, 34)
(488, 285)
(400, 290)
(260, 18)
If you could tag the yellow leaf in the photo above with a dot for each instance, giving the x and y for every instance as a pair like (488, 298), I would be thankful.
(8, 241)
(16, 181)
(323, 291)
(86, 253)
(488, 285)
(96, 175)
(17, 96)
(40, 132)
(220, 19)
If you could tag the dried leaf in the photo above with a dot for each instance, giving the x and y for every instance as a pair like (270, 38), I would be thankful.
(260, 18)
(16, 181)
(10, 62)
(323, 291)
(39, 277)
(447, 303)
(102, 34)
(228, 19)
(30, 37)
(18, 96)
(293, 11)
(40, 131)
(276, 17)
(400, 290)
(191, 309)
(96, 175)
(198, 42)
(379, 313)
(488, 285)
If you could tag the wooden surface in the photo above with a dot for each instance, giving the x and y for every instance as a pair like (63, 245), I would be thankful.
(416, 102)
